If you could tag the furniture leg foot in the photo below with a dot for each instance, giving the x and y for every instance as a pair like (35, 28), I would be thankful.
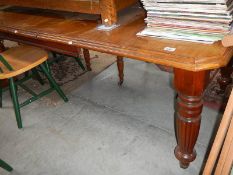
(120, 82)
(87, 58)
(190, 86)
(120, 66)
(185, 159)
(184, 165)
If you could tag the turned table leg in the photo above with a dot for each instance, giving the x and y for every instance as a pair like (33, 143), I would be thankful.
(189, 86)
(120, 65)
(87, 58)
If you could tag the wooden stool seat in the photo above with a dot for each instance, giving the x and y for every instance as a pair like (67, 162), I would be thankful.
(21, 59)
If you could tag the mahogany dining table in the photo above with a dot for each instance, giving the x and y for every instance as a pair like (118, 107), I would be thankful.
(65, 32)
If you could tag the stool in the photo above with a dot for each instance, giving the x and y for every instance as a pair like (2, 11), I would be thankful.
(21, 59)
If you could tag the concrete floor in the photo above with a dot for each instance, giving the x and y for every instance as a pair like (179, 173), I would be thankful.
(103, 130)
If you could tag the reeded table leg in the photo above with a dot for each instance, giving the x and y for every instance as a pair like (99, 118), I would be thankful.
(87, 58)
(189, 86)
(120, 65)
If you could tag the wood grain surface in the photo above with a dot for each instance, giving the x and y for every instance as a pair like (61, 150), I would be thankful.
(22, 25)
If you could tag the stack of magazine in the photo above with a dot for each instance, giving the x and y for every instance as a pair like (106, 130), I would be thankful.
(203, 21)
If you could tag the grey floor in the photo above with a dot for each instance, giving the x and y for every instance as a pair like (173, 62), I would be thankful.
(103, 130)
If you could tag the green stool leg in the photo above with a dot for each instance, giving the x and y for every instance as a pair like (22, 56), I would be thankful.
(5, 166)
(37, 76)
(47, 67)
(80, 63)
(53, 82)
(14, 97)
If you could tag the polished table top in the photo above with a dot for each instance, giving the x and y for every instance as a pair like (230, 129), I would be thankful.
(80, 30)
